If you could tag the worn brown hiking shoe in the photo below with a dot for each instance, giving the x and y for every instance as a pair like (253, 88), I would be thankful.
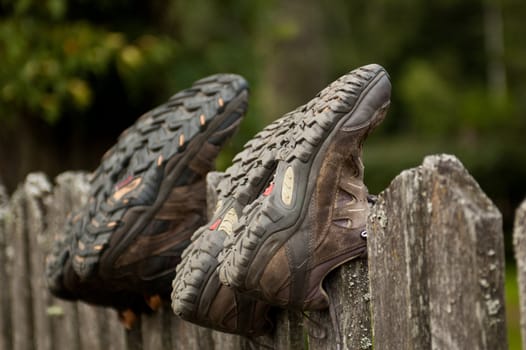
(147, 197)
(312, 216)
(198, 296)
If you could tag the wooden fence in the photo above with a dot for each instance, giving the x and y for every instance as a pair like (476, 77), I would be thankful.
(434, 277)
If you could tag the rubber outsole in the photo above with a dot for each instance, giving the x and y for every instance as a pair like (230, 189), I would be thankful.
(267, 223)
(294, 136)
(156, 150)
(193, 286)
(196, 282)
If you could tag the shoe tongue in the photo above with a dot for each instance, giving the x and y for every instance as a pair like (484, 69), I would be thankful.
(350, 204)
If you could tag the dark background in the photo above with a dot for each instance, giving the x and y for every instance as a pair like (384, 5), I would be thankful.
(75, 73)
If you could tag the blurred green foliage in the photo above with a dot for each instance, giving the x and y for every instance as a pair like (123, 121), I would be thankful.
(50, 63)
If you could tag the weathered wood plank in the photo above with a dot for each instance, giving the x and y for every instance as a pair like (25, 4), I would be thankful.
(232, 341)
(186, 335)
(155, 330)
(471, 275)
(90, 331)
(69, 194)
(289, 331)
(348, 290)
(152, 332)
(88, 327)
(134, 336)
(399, 297)
(64, 324)
(436, 262)
(519, 243)
(38, 195)
(116, 332)
(22, 302)
(5, 263)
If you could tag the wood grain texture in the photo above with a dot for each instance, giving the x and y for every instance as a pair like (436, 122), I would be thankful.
(436, 262)
(155, 330)
(115, 331)
(20, 293)
(38, 195)
(186, 335)
(348, 290)
(30, 325)
(69, 194)
(5, 273)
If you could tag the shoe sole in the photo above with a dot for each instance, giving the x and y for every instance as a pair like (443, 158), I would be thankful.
(196, 282)
(269, 222)
(196, 275)
(156, 150)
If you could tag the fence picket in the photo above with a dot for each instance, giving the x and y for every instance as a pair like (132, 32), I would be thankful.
(69, 194)
(436, 262)
(21, 301)
(348, 288)
(5, 275)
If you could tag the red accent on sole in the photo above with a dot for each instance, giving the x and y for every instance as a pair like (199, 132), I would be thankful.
(124, 182)
(269, 189)
(215, 225)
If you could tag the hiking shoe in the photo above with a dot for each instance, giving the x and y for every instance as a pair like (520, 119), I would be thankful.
(198, 296)
(146, 199)
(312, 216)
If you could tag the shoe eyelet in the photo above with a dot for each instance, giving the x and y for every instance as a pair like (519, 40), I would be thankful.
(363, 234)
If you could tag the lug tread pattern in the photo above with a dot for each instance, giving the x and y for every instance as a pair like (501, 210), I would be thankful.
(297, 135)
(320, 115)
(193, 273)
(142, 151)
(294, 136)
(242, 181)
